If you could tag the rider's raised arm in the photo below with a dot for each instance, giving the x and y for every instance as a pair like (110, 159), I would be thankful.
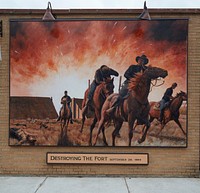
(113, 72)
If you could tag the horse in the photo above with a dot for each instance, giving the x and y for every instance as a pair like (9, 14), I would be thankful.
(170, 113)
(134, 107)
(65, 115)
(101, 93)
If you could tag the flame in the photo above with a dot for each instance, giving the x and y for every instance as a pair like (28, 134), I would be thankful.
(47, 58)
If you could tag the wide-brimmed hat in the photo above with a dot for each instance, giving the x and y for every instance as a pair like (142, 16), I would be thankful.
(143, 57)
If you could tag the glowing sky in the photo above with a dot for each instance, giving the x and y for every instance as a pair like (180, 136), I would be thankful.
(47, 58)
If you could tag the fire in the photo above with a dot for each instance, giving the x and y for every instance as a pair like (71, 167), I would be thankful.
(47, 58)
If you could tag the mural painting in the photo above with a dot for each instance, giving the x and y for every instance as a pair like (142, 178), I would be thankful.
(106, 82)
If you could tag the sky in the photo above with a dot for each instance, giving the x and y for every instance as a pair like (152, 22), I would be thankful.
(64, 55)
(58, 88)
(100, 4)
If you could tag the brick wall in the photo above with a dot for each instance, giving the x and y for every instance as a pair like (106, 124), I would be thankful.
(162, 161)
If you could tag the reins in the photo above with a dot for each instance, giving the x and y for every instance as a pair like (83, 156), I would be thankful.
(155, 84)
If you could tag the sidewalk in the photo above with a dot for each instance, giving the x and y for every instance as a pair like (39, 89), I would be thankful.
(98, 185)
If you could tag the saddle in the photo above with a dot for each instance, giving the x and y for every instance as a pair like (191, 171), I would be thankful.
(157, 106)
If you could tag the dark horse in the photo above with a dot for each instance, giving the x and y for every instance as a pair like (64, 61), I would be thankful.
(101, 93)
(170, 113)
(134, 107)
(65, 116)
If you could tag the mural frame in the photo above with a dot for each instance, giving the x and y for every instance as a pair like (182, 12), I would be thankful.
(103, 20)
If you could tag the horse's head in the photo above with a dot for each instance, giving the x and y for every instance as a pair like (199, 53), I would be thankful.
(108, 86)
(183, 95)
(155, 72)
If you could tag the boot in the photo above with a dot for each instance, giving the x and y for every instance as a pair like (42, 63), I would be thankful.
(161, 116)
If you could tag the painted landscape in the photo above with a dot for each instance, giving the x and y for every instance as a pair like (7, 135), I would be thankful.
(47, 132)
(64, 56)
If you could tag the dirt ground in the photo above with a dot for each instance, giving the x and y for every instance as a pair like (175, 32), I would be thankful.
(46, 133)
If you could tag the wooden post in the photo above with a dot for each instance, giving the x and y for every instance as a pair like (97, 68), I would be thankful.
(73, 108)
(120, 82)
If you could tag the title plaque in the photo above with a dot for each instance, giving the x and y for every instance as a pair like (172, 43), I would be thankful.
(96, 158)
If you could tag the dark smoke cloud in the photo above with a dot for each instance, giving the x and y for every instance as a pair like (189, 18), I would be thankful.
(169, 30)
(16, 27)
(38, 48)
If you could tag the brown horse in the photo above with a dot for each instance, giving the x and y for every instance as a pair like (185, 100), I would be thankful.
(101, 93)
(134, 107)
(170, 113)
(65, 116)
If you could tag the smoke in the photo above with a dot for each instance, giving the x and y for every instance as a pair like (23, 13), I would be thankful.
(42, 53)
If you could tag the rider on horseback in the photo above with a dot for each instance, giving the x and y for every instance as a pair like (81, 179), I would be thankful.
(103, 73)
(166, 100)
(66, 99)
(130, 73)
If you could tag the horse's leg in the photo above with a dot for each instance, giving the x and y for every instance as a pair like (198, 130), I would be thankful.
(64, 138)
(147, 125)
(83, 119)
(100, 127)
(118, 125)
(104, 136)
(91, 129)
(61, 133)
(135, 126)
(150, 121)
(131, 120)
(66, 126)
(65, 120)
(143, 128)
(179, 124)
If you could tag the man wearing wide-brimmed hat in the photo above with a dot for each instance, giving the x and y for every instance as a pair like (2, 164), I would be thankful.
(142, 61)
(132, 70)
